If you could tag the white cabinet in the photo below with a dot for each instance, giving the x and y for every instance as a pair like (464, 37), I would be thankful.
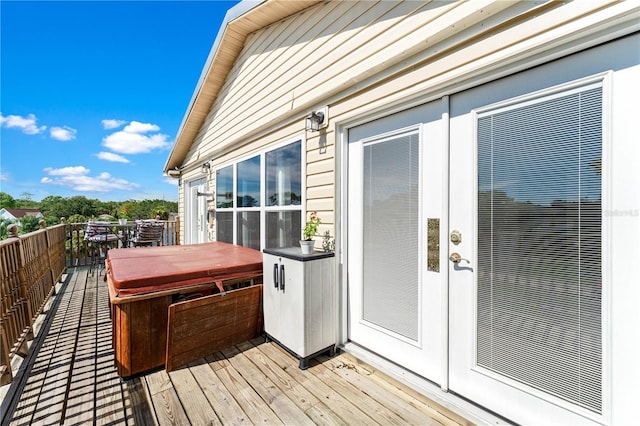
(299, 294)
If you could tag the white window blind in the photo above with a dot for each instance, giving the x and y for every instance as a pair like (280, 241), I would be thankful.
(390, 205)
(539, 244)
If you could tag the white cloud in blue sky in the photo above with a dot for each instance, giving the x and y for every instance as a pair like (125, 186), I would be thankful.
(112, 124)
(135, 139)
(77, 178)
(65, 133)
(110, 156)
(26, 124)
(98, 99)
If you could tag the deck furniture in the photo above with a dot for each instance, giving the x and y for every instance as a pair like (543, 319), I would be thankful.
(173, 304)
(147, 233)
(299, 292)
(100, 235)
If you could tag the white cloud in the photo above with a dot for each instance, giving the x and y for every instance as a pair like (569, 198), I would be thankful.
(68, 171)
(63, 133)
(171, 181)
(133, 140)
(78, 179)
(4, 177)
(112, 124)
(138, 127)
(28, 124)
(110, 156)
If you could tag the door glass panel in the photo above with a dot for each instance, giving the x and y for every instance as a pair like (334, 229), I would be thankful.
(390, 240)
(539, 244)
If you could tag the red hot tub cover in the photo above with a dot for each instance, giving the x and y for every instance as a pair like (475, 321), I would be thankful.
(134, 271)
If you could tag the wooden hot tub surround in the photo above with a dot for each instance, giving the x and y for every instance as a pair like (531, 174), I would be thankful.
(174, 304)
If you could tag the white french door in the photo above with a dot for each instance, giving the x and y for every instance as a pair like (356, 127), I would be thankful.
(514, 321)
(394, 290)
(526, 308)
(196, 225)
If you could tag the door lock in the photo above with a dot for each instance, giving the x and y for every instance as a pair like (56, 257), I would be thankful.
(456, 258)
(455, 237)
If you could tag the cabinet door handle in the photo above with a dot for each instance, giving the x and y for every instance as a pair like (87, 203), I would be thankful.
(275, 275)
(282, 277)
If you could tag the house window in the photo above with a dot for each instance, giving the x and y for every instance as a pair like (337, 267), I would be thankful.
(260, 199)
(283, 176)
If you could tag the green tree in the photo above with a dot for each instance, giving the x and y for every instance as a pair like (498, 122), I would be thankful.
(4, 234)
(29, 224)
(7, 201)
(76, 218)
(55, 206)
(26, 201)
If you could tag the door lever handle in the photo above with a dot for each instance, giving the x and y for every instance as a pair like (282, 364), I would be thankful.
(456, 258)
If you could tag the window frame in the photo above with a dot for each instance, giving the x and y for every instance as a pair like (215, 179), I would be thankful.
(263, 208)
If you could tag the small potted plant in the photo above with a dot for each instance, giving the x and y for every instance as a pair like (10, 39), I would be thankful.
(308, 232)
(123, 215)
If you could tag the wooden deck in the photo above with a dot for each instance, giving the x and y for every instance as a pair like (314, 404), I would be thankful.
(70, 378)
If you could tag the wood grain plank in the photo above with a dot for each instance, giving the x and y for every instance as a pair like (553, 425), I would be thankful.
(223, 402)
(201, 326)
(379, 403)
(80, 404)
(315, 409)
(409, 395)
(165, 401)
(25, 408)
(50, 408)
(342, 407)
(136, 401)
(110, 408)
(255, 408)
(277, 400)
(193, 400)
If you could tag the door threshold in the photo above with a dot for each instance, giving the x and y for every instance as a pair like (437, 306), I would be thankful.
(448, 400)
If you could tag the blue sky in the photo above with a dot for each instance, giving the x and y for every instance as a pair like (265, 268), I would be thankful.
(92, 93)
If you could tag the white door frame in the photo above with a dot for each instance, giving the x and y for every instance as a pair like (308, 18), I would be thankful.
(196, 212)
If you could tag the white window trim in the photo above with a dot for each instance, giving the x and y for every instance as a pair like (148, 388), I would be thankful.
(263, 208)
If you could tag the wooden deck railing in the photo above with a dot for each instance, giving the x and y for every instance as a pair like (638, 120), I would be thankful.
(80, 253)
(31, 264)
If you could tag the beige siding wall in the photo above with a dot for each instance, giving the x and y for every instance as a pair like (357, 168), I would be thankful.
(361, 57)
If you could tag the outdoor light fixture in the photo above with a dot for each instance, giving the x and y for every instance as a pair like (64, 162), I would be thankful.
(316, 119)
(206, 167)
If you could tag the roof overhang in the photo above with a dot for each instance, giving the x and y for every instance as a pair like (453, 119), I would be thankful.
(240, 21)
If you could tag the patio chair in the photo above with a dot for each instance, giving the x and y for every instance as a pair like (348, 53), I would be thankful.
(99, 235)
(148, 232)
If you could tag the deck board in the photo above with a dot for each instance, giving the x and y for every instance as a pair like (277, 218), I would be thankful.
(73, 380)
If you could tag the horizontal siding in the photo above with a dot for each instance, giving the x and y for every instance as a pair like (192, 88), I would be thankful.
(361, 57)
(436, 72)
(338, 34)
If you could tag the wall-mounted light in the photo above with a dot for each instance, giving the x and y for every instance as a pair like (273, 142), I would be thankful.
(206, 167)
(316, 119)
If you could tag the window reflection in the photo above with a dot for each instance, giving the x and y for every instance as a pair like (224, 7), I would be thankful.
(224, 187)
(249, 183)
(283, 229)
(283, 175)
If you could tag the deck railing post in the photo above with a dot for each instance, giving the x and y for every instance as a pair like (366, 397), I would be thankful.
(6, 374)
